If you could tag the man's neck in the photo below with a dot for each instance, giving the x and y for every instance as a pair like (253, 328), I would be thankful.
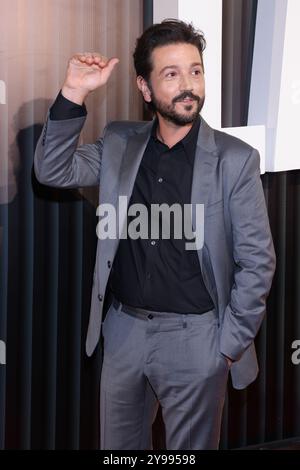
(169, 133)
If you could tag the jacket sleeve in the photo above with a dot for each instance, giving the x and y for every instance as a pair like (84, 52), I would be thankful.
(59, 162)
(254, 260)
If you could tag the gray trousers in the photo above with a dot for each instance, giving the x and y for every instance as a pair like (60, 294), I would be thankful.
(167, 358)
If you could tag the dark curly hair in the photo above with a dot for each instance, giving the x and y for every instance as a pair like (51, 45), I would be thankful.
(161, 34)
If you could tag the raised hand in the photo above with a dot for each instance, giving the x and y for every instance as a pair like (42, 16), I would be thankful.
(86, 72)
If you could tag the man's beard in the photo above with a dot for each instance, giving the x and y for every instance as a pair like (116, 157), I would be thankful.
(169, 112)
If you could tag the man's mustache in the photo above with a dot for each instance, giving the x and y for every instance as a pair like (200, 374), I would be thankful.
(186, 94)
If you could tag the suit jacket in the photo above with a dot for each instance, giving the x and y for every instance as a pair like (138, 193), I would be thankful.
(237, 258)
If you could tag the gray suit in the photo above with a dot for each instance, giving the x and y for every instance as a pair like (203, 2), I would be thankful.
(237, 260)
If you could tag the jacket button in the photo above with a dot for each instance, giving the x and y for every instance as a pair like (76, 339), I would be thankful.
(100, 297)
(109, 264)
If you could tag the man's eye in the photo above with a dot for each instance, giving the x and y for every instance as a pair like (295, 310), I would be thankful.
(197, 72)
(171, 74)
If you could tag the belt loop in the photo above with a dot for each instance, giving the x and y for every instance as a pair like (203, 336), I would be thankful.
(184, 320)
(119, 307)
(117, 304)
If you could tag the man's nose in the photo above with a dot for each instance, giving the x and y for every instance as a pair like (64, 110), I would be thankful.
(186, 83)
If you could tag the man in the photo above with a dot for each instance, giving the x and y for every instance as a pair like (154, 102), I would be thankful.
(179, 319)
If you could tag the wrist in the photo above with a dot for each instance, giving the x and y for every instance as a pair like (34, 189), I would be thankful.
(74, 95)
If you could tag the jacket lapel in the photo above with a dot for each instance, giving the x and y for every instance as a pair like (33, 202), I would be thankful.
(132, 157)
(205, 163)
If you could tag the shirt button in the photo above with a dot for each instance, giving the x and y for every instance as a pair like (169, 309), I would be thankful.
(100, 297)
(109, 264)
(160, 180)
(153, 242)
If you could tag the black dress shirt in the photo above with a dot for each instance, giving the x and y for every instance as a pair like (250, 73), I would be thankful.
(157, 274)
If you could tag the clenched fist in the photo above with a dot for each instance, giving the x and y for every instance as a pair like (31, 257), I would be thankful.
(86, 72)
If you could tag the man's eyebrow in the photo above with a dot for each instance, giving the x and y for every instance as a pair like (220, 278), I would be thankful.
(194, 64)
(168, 67)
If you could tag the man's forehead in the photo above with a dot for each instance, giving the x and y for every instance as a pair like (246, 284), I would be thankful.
(172, 53)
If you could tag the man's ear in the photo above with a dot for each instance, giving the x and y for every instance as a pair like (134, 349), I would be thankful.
(144, 88)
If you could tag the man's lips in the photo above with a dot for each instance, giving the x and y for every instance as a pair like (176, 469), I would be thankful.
(186, 100)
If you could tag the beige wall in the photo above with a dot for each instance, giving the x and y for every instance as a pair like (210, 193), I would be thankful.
(37, 38)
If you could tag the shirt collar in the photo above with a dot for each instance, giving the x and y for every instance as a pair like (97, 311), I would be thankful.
(189, 142)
